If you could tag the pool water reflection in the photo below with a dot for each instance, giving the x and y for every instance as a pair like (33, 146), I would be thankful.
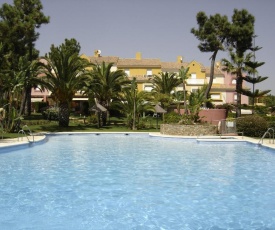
(114, 181)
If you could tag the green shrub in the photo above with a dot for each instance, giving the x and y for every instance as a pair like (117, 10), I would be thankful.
(271, 121)
(92, 119)
(37, 106)
(175, 118)
(252, 125)
(172, 118)
(186, 120)
(261, 110)
(51, 114)
(141, 125)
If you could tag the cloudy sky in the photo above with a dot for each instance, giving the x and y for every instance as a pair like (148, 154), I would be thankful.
(156, 28)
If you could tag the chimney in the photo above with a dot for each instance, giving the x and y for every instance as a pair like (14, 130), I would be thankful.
(138, 55)
(179, 59)
(97, 53)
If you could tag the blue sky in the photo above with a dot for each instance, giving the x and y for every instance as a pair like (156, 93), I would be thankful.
(156, 28)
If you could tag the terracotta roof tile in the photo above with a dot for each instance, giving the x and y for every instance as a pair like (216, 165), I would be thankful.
(126, 62)
(172, 66)
(216, 71)
(106, 59)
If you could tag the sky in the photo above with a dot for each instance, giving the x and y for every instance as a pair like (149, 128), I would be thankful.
(156, 28)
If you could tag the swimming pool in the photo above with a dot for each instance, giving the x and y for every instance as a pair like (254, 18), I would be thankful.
(117, 181)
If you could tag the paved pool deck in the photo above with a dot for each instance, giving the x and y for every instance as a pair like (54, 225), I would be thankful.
(40, 137)
(21, 140)
(266, 142)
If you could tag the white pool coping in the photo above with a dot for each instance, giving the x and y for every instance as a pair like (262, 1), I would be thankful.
(10, 142)
(266, 142)
(40, 137)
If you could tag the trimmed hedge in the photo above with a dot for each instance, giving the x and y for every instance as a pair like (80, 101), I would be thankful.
(271, 121)
(252, 125)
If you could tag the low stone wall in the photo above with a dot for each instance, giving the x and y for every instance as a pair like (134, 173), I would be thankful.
(188, 130)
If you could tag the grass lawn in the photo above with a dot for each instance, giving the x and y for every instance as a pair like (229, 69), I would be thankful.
(36, 123)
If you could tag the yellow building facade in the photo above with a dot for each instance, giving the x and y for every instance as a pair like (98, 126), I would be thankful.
(222, 91)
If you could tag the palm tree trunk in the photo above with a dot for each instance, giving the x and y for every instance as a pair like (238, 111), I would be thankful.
(239, 83)
(211, 77)
(98, 114)
(28, 87)
(28, 99)
(184, 98)
(23, 103)
(64, 115)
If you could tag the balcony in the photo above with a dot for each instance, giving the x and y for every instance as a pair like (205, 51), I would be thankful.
(195, 81)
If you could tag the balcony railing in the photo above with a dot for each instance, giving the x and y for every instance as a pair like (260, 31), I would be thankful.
(196, 81)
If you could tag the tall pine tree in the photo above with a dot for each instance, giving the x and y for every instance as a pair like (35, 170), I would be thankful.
(18, 25)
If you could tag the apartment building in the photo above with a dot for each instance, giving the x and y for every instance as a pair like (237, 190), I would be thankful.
(222, 91)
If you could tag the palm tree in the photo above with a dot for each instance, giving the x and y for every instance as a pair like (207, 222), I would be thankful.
(237, 67)
(178, 98)
(64, 74)
(196, 100)
(28, 72)
(164, 84)
(134, 103)
(183, 74)
(105, 85)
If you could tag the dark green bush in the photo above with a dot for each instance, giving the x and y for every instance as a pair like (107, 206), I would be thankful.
(92, 119)
(37, 106)
(261, 110)
(186, 120)
(141, 125)
(252, 125)
(271, 121)
(175, 118)
(51, 114)
(172, 118)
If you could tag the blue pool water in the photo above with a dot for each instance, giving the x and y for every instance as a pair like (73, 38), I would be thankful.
(117, 181)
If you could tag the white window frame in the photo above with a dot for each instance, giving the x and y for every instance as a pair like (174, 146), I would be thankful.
(149, 72)
(127, 71)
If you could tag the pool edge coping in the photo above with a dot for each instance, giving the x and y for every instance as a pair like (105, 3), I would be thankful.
(6, 143)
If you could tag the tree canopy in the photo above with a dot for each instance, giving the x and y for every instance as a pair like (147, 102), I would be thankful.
(18, 32)
(64, 74)
(216, 33)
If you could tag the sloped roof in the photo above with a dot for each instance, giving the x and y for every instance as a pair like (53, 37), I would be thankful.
(216, 71)
(172, 66)
(159, 109)
(200, 64)
(126, 62)
(106, 59)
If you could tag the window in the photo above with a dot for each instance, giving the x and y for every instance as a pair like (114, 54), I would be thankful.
(127, 71)
(193, 75)
(149, 72)
(235, 97)
(215, 96)
(148, 88)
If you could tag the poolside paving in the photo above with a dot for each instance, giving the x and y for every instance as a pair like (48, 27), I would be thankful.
(266, 142)
(37, 138)
(21, 140)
